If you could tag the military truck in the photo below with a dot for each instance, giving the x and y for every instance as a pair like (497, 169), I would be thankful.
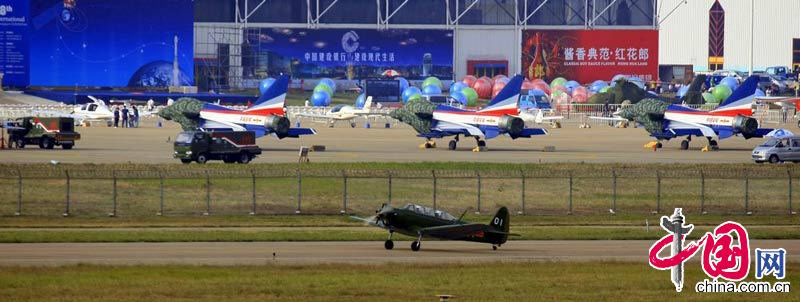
(228, 146)
(46, 132)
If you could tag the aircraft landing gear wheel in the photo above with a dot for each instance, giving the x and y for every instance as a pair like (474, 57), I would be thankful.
(352, 125)
(452, 145)
(774, 159)
(714, 145)
(684, 145)
(202, 159)
(388, 244)
(659, 145)
(481, 143)
(415, 246)
(494, 247)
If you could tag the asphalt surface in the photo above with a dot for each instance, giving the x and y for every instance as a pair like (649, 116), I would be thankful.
(366, 252)
(600, 143)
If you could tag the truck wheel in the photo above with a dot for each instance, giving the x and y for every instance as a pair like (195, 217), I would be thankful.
(202, 158)
(244, 158)
(47, 143)
(67, 146)
(21, 143)
(186, 160)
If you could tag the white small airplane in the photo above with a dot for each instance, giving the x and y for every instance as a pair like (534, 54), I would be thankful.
(96, 111)
(342, 113)
(539, 117)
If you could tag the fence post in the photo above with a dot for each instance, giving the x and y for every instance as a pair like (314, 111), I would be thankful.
(433, 173)
(522, 195)
(114, 194)
(66, 210)
(344, 193)
(658, 192)
(208, 194)
(19, 192)
(390, 188)
(478, 174)
(789, 174)
(570, 193)
(746, 193)
(702, 193)
(299, 191)
(253, 205)
(613, 191)
(161, 193)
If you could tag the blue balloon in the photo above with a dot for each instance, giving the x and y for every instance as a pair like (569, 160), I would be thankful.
(320, 98)
(571, 85)
(536, 92)
(403, 83)
(360, 100)
(457, 86)
(682, 91)
(432, 90)
(408, 92)
(459, 97)
(264, 85)
(730, 82)
(635, 80)
(597, 85)
(328, 82)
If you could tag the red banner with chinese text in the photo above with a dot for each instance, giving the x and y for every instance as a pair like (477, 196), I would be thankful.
(589, 55)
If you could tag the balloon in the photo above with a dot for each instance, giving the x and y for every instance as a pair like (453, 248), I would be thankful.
(536, 92)
(539, 81)
(721, 92)
(730, 82)
(408, 92)
(604, 89)
(503, 80)
(328, 82)
(432, 81)
(431, 90)
(457, 86)
(637, 81)
(265, 84)
(360, 100)
(559, 88)
(415, 96)
(498, 86)
(580, 98)
(403, 83)
(682, 91)
(460, 97)
(323, 87)
(542, 86)
(527, 85)
(469, 80)
(709, 98)
(483, 87)
(488, 79)
(580, 90)
(558, 81)
(472, 96)
(597, 85)
(321, 98)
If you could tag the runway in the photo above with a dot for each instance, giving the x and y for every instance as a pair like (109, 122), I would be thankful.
(600, 143)
(362, 252)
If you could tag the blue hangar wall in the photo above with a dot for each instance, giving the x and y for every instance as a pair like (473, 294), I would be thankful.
(118, 43)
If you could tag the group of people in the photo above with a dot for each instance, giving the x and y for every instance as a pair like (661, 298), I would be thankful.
(130, 117)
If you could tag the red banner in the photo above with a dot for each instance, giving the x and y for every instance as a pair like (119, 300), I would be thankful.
(589, 55)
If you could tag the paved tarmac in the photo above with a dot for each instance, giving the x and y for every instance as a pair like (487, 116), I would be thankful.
(364, 252)
(601, 143)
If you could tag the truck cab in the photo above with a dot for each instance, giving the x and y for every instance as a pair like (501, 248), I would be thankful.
(47, 132)
(228, 146)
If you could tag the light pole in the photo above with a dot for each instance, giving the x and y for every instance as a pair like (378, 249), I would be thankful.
(752, 24)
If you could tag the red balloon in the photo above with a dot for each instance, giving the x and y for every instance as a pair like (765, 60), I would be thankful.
(499, 76)
(488, 79)
(469, 80)
(483, 87)
(498, 86)
(528, 85)
(541, 86)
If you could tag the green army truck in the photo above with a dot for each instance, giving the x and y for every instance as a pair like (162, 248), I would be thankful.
(47, 132)
(228, 146)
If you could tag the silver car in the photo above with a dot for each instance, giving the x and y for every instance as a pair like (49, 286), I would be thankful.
(777, 150)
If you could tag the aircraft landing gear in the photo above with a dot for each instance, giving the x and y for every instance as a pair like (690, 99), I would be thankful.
(429, 144)
(712, 145)
(453, 144)
(481, 145)
(352, 124)
(684, 145)
(494, 247)
(415, 246)
(389, 244)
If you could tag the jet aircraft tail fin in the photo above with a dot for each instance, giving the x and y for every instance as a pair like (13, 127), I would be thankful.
(501, 220)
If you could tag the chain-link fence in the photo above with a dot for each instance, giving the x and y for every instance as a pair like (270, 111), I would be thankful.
(92, 192)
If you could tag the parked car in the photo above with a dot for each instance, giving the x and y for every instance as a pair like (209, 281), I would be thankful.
(776, 82)
(776, 150)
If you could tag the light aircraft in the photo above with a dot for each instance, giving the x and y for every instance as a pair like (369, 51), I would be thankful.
(342, 113)
(539, 117)
(96, 111)
(266, 116)
(420, 221)
(665, 121)
(500, 117)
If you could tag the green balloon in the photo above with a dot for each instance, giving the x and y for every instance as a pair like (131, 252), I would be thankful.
(472, 96)
(432, 81)
(721, 92)
(558, 81)
(415, 96)
(323, 87)
(604, 89)
(710, 98)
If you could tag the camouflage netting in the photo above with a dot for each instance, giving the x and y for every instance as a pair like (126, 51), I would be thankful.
(624, 90)
(417, 113)
(185, 111)
(648, 112)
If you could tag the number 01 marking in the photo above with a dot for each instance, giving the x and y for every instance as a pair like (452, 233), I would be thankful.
(498, 221)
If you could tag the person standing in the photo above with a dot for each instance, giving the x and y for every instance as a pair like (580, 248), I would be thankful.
(135, 117)
(124, 116)
(116, 116)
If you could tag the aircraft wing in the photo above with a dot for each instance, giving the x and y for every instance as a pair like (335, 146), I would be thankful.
(446, 126)
(604, 118)
(297, 132)
(457, 231)
(311, 115)
(528, 132)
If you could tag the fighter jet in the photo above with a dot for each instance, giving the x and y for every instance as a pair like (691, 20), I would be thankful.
(420, 221)
(665, 121)
(341, 113)
(266, 116)
(439, 121)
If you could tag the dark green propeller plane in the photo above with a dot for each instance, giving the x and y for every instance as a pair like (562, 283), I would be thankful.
(420, 221)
